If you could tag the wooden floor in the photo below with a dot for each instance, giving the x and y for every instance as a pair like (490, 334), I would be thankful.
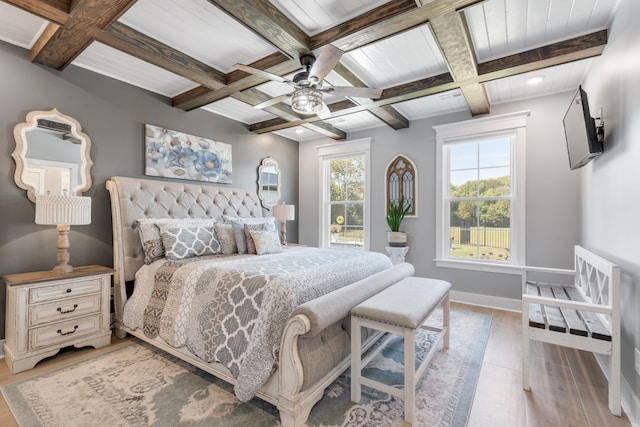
(567, 386)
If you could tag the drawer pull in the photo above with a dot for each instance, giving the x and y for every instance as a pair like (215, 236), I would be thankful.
(75, 328)
(68, 311)
(69, 290)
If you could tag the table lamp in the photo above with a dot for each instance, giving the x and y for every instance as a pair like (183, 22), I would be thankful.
(284, 213)
(63, 211)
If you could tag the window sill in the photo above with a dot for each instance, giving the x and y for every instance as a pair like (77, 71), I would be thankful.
(479, 266)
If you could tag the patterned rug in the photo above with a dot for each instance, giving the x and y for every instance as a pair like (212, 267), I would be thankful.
(139, 385)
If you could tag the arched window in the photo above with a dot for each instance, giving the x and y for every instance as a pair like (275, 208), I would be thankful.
(401, 181)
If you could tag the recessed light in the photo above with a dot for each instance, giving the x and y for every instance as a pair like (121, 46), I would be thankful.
(535, 80)
(299, 131)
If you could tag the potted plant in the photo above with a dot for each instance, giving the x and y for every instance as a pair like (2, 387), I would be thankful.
(335, 230)
(395, 215)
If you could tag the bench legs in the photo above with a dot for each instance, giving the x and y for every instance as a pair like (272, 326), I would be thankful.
(411, 375)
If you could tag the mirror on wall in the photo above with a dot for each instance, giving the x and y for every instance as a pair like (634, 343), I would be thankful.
(269, 182)
(52, 155)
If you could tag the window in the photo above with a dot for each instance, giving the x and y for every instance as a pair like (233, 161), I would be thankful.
(344, 195)
(480, 213)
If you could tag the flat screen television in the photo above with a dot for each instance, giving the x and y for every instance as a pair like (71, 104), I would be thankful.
(584, 138)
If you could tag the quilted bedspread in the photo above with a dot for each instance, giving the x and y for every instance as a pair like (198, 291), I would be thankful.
(233, 310)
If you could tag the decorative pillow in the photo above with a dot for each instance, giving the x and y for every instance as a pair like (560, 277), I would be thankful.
(238, 229)
(226, 238)
(151, 239)
(267, 241)
(189, 241)
(248, 228)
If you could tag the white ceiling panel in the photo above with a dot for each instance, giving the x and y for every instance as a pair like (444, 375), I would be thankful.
(431, 106)
(555, 79)
(199, 29)
(238, 110)
(299, 133)
(120, 66)
(355, 122)
(406, 57)
(315, 16)
(19, 27)
(503, 27)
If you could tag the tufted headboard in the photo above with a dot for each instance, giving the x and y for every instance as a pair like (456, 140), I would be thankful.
(133, 198)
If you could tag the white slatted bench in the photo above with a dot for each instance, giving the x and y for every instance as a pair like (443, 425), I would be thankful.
(584, 315)
(399, 309)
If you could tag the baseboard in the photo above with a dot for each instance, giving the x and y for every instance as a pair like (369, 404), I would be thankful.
(2, 349)
(489, 301)
(629, 400)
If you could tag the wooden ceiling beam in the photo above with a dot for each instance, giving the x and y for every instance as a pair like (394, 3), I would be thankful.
(56, 11)
(451, 33)
(134, 43)
(59, 45)
(563, 52)
(266, 21)
(385, 21)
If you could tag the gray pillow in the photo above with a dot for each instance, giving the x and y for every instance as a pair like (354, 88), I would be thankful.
(226, 238)
(151, 240)
(189, 241)
(266, 242)
(248, 228)
(238, 229)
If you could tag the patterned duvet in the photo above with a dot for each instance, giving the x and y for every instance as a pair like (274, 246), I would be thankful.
(233, 309)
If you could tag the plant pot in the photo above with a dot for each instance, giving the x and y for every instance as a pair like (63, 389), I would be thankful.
(397, 239)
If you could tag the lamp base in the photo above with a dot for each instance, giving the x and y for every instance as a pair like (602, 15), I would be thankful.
(283, 233)
(63, 251)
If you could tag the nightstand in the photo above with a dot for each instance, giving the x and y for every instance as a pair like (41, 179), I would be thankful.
(47, 311)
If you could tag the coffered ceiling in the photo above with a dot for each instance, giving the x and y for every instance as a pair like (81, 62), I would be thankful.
(429, 57)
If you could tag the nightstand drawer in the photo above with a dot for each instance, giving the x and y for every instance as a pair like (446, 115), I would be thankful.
(59, 333)
(63, 309)
(65, 290)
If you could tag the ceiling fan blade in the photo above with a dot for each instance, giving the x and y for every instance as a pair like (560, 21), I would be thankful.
(356, 92)
(325, 113)
(257, 72)
(325, 62)
(272, 101)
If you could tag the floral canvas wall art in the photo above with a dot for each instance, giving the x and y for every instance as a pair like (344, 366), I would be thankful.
(173, 154)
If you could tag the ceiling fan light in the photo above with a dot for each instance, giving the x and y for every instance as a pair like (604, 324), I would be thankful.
(306, 101)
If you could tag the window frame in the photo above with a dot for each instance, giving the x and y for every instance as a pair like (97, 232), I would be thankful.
(472, 131)
(339, 150)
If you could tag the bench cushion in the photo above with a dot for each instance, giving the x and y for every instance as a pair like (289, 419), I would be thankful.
(406, 303)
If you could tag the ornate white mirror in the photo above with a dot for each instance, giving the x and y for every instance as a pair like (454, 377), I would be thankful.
(269, 182)
(52, 155)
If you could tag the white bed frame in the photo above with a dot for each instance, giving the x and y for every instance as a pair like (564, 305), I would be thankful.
(133, 198)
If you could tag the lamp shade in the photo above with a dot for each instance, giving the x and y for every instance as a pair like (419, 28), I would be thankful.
(284, 212)
(63, 210)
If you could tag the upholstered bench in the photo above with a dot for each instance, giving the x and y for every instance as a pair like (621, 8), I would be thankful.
(399, 309)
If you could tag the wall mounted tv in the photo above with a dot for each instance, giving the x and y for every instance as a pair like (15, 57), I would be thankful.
(584, 138)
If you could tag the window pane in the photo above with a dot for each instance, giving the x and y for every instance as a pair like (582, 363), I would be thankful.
(464, 183)
(495, 182)
(480, 230)
(463, 156)
(347, 178)
(495, 152)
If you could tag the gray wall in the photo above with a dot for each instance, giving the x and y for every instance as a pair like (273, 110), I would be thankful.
(611, 183)
(552, 194)
(113, 114)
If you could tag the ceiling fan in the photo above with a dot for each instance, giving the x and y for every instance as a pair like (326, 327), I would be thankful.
(309, 84)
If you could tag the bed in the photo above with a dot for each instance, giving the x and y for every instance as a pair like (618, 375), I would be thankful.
(287, 350)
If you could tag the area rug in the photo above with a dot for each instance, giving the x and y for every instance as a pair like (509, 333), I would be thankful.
(138, 385)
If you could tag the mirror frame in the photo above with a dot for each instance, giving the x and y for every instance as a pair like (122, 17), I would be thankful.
(268, 161)
(19, 154)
